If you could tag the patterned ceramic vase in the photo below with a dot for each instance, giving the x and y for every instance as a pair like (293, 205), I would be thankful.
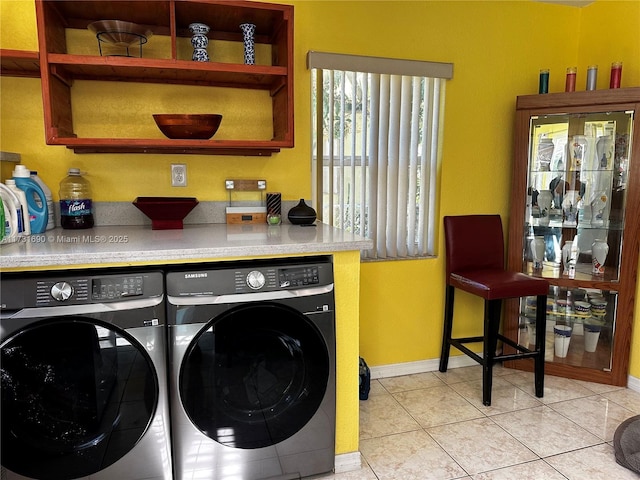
(248, 32)
(598, 205)
(537, 249)
(544, 203)
(578, 151)
(199, 42)
(599, 251)
(604, 149)
(545, 154)
(570, 253)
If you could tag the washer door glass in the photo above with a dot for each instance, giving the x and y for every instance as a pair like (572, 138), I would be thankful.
(77, 395)
(255, 375)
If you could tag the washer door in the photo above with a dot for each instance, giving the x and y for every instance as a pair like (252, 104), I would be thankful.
(255, 375)
(77, 395)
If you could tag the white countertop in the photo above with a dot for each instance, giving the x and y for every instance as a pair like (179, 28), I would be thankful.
(140, 244)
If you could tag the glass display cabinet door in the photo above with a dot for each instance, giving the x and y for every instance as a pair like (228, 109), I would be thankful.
(574, 222)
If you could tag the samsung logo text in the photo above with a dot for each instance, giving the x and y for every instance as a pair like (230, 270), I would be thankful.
(195, 275)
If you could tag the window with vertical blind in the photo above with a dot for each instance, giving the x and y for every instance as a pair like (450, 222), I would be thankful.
(377, 129)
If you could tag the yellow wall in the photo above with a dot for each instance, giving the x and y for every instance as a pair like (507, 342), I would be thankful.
(495, 59)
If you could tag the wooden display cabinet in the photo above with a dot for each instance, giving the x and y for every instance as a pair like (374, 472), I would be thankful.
(170, 18)
(576, 181)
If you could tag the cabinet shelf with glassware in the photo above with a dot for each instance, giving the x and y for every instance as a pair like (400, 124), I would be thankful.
(574, 222)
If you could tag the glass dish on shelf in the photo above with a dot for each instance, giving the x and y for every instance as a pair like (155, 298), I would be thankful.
(120, 35)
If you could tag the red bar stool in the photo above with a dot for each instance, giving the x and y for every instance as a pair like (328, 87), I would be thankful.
(475, 263)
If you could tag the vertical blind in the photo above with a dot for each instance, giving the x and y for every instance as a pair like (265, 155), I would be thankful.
(377, 130)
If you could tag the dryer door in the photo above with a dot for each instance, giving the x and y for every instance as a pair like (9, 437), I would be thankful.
(77, 395)
(255, 375)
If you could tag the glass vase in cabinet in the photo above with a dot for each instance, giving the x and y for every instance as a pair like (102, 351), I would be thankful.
(575, 221)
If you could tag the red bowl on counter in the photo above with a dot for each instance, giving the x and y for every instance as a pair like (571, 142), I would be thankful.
(165, 212)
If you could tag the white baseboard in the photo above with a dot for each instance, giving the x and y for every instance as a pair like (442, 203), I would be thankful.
(421, 366)
(348, 462)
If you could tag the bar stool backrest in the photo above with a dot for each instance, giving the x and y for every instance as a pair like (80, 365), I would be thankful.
(473, 242)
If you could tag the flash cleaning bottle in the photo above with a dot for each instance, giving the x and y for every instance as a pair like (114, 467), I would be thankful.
(76, 210)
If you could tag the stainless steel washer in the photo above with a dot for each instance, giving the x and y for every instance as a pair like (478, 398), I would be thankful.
(252, 369)
(84, 376)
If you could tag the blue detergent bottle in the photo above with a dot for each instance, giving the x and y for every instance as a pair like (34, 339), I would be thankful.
(36, 198)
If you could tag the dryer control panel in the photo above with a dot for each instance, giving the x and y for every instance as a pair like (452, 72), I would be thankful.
(298, 276)
(243, 278)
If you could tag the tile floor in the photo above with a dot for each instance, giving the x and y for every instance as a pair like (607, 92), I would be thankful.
(433, 426)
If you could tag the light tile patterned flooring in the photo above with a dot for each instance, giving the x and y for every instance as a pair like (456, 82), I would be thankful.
(433, 426)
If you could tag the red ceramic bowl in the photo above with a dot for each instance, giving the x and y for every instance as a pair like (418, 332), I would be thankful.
(165, 212)
(188, 126)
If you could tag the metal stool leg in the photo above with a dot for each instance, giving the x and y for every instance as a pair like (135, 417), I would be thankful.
(448, 326)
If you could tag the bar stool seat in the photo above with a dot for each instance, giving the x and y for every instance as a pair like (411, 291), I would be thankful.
(475, 264)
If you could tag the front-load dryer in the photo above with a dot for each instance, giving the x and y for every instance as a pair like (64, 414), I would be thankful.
(84, 376)
(252, 369)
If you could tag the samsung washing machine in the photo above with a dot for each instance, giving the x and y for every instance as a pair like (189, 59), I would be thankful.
(252, 369)
(84, 376)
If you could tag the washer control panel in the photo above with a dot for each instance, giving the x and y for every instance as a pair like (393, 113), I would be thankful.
(83, 290)
(61, 290)
(110, 288)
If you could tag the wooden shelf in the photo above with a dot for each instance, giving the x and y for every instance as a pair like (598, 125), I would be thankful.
(274, 27)
(161, 146)
(19, 63)
(579, 99)
(179, 72)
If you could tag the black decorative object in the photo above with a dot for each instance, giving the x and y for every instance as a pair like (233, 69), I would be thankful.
(302, 214)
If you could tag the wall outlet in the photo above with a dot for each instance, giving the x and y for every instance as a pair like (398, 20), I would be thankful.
(178, 175)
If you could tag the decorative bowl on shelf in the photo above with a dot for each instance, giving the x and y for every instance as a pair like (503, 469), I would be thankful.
(119, 32)
(188, 126)
(165, 212)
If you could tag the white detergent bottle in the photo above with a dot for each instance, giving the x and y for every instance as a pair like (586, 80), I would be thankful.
(22, 198)
(35, 196)
(10, 222)
(51, 219)
(13, 214)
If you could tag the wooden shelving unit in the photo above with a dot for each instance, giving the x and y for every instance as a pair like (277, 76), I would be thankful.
(59, 69)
